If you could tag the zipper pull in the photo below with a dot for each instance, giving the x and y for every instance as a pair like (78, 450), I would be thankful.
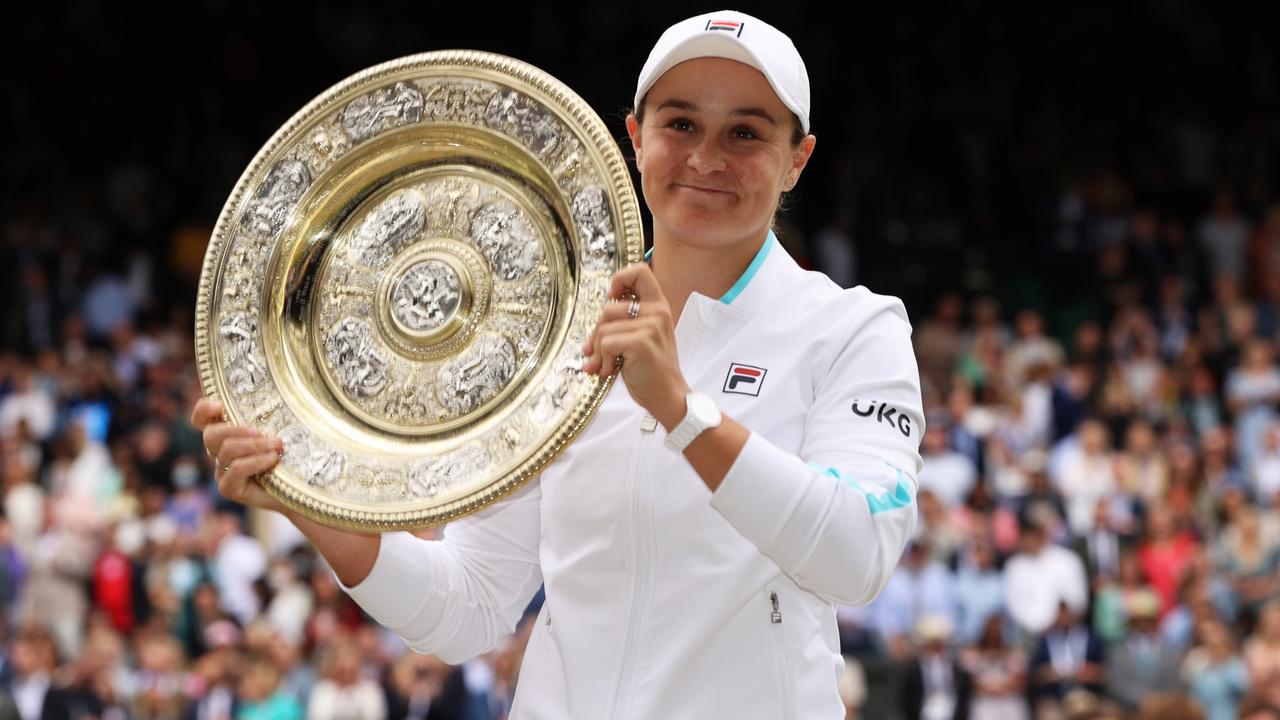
(649, 423)
(775, 617)
(548, 623)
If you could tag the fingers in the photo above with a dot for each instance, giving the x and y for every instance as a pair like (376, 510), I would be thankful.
(656, 311)
(604, 348)
(239, 481)
(215, 436)
(207, 410)
(619, 344)
(639, 279)
(244, 468)
(238, 447)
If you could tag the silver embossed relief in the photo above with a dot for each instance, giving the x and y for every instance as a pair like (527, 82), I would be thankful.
(360, 366)
(507, 239)
(595, 227)
(432, 477)
(382, 110)
(245, 366)
(522, 118)
(451, 203)
(320, 466)
(456, 100)
(425, 310)
(426, 296)
(476, 376)
(554, 397)
(396, 221)
(274, 199)
(323, 145)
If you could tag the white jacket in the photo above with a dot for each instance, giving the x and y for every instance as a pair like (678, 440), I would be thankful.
(664, 600)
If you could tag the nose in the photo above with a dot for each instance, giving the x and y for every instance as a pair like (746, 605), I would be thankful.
(707, 156)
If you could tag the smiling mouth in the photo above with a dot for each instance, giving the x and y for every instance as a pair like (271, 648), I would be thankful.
(698, 188)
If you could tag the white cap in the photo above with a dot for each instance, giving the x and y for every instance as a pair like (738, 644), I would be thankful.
(735, 36)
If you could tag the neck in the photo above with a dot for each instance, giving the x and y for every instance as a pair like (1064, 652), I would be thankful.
(683, 269)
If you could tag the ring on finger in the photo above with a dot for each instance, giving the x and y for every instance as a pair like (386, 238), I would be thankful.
(633, 310)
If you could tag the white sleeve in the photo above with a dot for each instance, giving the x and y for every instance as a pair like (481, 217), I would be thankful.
(456, 597)
(836, 517)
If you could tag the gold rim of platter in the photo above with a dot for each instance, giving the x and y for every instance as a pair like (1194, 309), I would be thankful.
(400, 281)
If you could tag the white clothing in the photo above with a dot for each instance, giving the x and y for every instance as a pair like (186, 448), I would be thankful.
(34, 406)
(239, 562)
(1035, 585)
(331, 701)
(949, 475)
(664, 599)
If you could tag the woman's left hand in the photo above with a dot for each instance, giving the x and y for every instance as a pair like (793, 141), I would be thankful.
(646, 343)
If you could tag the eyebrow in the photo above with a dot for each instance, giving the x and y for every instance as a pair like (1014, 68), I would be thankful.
(738, 112)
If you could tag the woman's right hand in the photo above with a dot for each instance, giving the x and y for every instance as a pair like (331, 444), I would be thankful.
(238, 453)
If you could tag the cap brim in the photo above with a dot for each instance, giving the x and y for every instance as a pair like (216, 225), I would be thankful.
(714, 45)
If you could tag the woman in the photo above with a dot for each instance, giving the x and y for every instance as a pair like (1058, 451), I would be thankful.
(999, 673)
(1247, 555)
(1215, 672)
(696, 576)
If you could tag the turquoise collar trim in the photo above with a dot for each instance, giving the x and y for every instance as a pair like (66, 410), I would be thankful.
(743, 281)
(756, 262)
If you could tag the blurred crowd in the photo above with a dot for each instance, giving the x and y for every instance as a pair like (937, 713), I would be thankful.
(1098, 517)
(1088, 243)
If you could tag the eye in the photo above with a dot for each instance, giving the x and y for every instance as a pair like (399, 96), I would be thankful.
(744, 133)
(680, 124)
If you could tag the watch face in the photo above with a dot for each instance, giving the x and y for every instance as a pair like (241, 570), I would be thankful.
(703, 408)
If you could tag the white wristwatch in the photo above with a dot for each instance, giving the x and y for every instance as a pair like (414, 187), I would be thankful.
(700, 414)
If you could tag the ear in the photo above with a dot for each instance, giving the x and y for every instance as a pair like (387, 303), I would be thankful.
(799, 159)
(633, 131)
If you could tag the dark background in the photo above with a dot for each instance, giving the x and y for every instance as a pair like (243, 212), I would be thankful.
(946, 131)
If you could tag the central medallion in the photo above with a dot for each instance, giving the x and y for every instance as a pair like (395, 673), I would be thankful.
(425, 298)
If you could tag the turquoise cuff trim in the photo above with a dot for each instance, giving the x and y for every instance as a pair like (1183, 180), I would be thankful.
(884, 502)
(756, 262)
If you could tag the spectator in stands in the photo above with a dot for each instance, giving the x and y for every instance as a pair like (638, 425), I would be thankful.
(1067, 657)
(998, 673)
(1040, 579)
(1140, 663)
(1215, 672)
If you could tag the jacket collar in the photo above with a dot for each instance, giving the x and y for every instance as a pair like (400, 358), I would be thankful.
(768, 270)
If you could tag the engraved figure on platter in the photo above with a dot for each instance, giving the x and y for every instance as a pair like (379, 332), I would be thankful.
(595, 227)
(388, 108)
(430, 478)
(427, 296)
(507, 239)
(395, 222)
(360, 366)
(246, 368)
(319, 465)
(475, 377)
(515, 113)
(277, 195)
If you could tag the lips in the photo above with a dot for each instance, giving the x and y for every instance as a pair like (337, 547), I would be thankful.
(702, 189)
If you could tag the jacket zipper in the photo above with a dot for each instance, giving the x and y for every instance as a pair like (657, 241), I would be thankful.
(641, 541)
(783, 653)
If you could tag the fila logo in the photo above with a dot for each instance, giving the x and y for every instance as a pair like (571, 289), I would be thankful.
(729, 26)
(744, 379)
(886, 415)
